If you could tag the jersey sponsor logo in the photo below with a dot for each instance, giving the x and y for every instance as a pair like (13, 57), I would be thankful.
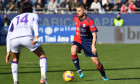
(92, 26)
(84, 34)
(84, 25)
(83, 30)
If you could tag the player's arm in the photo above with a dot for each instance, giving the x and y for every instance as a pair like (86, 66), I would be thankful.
(8, 42)
(35, 29)
(93, 30)
(8, 47)
(94, 42)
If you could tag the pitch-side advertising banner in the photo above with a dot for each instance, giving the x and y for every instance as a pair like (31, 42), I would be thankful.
(56, 34)
(65, 34)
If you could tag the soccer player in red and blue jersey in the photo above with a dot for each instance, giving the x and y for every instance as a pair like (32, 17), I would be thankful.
(85, 38)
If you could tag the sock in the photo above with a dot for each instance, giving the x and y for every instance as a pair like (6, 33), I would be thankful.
(75, 60)
(101, 70)
(43, 66)
(14, 67)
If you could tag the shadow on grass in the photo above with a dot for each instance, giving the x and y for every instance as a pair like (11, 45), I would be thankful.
(124, 68)
(72, 69)
(126, 79)
(24, 72)
(91, 80)
(96, 69)
(19, 67)
(5, 65)
(118, 79)
(27, 66)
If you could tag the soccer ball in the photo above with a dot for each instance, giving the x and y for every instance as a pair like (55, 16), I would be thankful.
(68, 76)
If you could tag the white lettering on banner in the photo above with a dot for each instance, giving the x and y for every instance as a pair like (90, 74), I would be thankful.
(73, 28)
(62, 39)
(61, 29)
(40, 39)
(71, 38)
(50, 39)
(56, 29)
(41, 30)
(65, 28)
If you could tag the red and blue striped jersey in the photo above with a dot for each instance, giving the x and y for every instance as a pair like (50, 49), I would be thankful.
(84, 29)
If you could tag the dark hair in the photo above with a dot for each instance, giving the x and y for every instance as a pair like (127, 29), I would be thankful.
(26, 7)
(82, 6)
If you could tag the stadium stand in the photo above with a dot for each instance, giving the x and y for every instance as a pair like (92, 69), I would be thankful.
(68, 6)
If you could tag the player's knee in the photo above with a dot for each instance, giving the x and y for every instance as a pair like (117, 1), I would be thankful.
(15, 59)
(39, 52)
(97, 63)
(73, 50)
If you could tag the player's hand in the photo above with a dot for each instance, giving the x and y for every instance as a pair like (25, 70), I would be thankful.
(93, 50)
(34, 41)
(7, 57)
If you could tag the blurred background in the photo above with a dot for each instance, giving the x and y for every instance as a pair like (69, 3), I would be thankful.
(116, 20)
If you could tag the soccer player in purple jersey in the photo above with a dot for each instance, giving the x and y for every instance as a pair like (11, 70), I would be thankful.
(85, 38)
(20, 35)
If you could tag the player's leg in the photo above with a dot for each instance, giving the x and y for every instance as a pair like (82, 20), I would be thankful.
(43, 64)
(75, 59)
(37, 49)
(94, 57)
(14, 66)
(99, 67)
(15, 48)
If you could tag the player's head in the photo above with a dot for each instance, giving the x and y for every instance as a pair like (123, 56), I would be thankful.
(5, 16)
(118, 16)
(81, 10)
(26, 7)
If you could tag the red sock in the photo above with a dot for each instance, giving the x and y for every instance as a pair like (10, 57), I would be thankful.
(100, 67)
(101, 70)
(74, 56)
(75, 60)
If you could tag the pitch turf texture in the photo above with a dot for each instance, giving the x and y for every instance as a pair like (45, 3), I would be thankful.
(121, 62)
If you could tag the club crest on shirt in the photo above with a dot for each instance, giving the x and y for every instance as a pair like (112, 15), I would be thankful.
(92, 26)
(84, 25)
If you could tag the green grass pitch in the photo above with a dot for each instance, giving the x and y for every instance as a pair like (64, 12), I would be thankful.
(121, 62)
